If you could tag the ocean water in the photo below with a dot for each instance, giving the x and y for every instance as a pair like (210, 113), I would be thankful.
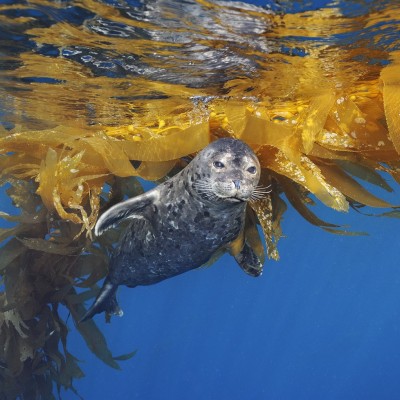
(322, 323)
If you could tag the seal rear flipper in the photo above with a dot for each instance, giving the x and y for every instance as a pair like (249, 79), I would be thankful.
(106, 301)
(248, 261)
(123, 210)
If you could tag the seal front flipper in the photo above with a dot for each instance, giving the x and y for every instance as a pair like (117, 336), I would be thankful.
(105, 301)
(125, 209)
(248, 261)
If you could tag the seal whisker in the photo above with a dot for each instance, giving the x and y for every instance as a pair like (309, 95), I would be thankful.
(255, 198)
(201, 185)
(203, 182)
(205, 190)
(208, 193)
(266, 189)
(259, 195)
(260, 192)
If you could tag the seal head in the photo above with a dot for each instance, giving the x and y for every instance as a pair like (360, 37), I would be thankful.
(227, 171)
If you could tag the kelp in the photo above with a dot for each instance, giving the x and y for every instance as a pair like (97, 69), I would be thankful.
(323, 121)
(42, 264)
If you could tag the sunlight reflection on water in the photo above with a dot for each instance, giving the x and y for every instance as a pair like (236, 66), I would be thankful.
(52, 51)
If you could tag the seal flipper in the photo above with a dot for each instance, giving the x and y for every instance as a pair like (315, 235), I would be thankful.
(105, 301)
(122, 210)
(248, 261)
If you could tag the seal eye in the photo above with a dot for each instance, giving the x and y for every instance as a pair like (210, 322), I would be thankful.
(218, 164)
(252, 170)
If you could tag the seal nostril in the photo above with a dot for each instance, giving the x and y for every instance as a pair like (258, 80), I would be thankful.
(237, 184)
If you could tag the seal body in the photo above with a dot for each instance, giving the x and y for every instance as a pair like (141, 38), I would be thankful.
(182, 223)
(173, 235)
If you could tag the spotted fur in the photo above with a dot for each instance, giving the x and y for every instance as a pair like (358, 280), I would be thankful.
(182, 223)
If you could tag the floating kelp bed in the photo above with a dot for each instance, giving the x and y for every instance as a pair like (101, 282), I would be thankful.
(85, 115)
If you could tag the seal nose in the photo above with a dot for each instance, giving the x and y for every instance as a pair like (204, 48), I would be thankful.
(237, 184)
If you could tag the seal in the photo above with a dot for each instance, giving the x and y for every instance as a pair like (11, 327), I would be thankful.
(182, 223)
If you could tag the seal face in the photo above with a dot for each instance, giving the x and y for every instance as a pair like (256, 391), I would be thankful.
(182, 223)
(226, 170)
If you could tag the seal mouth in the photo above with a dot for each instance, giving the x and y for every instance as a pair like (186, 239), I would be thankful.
(235, 199)
(220, 191)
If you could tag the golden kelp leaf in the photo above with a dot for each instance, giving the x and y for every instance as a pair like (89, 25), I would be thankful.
(36, 143)
(354, 128)
(314, 119)
(154, 171)
(112, 154)
(346, 114)
(64, 187)
(351, 188)
(178, 143)
(332, 138)
(234, 115)
(390, 76)
(234, 247)
(269, 218)
(21, 171)
(365, 173)
(47, 178)
(318, 185)
(295, 197)
(260, 131)
(304, 172)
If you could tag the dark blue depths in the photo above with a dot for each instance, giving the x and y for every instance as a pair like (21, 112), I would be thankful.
(323, 323)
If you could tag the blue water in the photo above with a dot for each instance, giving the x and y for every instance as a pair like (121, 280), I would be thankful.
(323, 323)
